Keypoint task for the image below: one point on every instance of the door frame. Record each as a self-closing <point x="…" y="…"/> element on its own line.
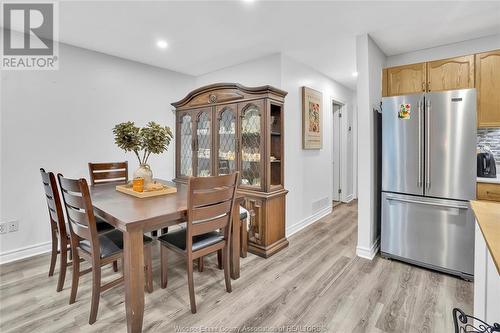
<point x="342" y="125"/>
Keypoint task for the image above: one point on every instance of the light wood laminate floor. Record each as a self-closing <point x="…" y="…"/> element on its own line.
<point x="317" y="281"/>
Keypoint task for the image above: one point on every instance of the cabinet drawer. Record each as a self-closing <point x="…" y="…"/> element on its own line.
<point x="486" y="191"/>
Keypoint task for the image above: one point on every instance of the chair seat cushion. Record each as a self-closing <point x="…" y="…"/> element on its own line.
<point x="102" y="225"/>
<point x="243" y="213"/>
<point x="178" y="239"/>
<point x="110" y="242"/>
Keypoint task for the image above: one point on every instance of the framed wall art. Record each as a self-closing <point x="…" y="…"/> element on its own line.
<point x="312" y="109"/>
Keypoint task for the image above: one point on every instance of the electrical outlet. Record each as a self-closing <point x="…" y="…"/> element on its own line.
<point x="13" y="226"/>
<point x="3" y="228"/>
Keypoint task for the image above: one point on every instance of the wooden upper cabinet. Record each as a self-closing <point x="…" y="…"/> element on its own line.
<point x="407" y="79"/>
<point x="384" y="83"/>
<point x="450" y="74"/>
<point x="488" y="88"/>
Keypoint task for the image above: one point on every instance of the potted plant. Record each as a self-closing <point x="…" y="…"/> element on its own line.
<point x="151" y="139"/>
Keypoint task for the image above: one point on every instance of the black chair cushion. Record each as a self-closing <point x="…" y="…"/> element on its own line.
<point x="178" y="239"/>
<point x="111" y="242"/>
<point x="102" y="225"/>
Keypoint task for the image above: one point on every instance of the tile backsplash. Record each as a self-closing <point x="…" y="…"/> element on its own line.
<point x="490" y="137"/>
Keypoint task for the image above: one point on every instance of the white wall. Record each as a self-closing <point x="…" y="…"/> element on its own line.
<point x="60" y="120"/>
<point x="446" y="51"/>
<point x="369" y="61"/>
<point x="262" y="71"/>
<point x="355" y="129"/>
<point x="97" y="91"/>
<point x="308" y="173"/>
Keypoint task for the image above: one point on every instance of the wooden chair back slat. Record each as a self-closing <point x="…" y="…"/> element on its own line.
<point x="204" y="227"/>
<point x="119" y="175"/>
<point x="202" y="198"/>
<point x="210" y="211"/>
<point x="51" y="204"/>
<point x="74" y="201"/>
<point x="48" y="190"/>
<point x="81" y="231"/>
<point x="80" y="212"/>
<point x="54" y="204"/>
<point x="77" y="216"/>
<point x="210" y="204"/>
<point x="68" y="185"/>
<point x="105" y="173"/>
<point x="109" y="166"/>
<point x="208" y="183"/>
<point x="54" y="217"/>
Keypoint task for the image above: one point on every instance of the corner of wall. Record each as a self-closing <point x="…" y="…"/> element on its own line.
<point x="370" y="60"/>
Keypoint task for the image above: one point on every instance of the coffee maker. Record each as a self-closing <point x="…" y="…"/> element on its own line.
<point x="486" y="167"/>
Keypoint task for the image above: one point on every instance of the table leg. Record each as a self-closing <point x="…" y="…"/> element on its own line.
<point x="235" y="242"/>
<point x="133" y="256"/>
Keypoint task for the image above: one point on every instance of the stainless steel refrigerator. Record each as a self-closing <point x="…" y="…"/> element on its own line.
<point x="428" y="176"/>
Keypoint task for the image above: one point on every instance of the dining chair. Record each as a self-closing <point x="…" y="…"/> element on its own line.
<point x="109" y="172"/>
<point x="59" y="230"/>
<point x="60" y="237"/>
<point x="99" y="249"/>
<point x="210" y="202"/>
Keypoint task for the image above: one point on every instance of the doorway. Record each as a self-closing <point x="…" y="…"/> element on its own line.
<point x="338" y="110"/>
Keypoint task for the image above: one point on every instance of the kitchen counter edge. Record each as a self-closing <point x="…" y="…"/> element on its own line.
<point x="488" y="218"/>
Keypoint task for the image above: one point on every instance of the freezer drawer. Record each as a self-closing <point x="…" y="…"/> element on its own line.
<point x="435" y="233"/>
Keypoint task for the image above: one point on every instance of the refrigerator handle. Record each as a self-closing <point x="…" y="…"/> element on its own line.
<point x="428" y="144"/>
<point x="419" y="182"/>
<point x="428" y="203"/>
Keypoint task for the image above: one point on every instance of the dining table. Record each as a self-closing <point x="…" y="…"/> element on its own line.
<point x="135" y="216"/>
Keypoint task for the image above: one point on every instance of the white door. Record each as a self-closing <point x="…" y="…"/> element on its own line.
<point x="337" y="144"/>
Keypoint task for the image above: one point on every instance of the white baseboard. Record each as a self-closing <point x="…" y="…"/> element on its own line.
<point x="290" y="230"/>
<point x="25" y="252"/>
<point x="349" y="198"/>
<point x="368" y="253"/>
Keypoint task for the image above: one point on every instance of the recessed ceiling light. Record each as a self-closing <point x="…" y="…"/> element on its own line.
<point x="355" y="74"/>
<point x="248" y="1"/>
<point x="162" y="44"/>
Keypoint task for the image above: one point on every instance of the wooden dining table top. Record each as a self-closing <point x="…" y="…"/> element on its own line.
<point x="126" y="212"/>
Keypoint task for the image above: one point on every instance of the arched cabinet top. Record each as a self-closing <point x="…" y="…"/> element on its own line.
<point x="218" y="93"/>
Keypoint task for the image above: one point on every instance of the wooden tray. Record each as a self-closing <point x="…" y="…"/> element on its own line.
<point x="127" y="189"/>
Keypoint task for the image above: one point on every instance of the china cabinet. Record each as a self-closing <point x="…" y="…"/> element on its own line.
<point x="226" y="127"/>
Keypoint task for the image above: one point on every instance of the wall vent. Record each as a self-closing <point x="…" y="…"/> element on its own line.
<point x="320" y="204"/>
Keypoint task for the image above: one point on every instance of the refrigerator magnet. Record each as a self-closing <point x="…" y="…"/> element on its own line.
<point x="404" y="111"/>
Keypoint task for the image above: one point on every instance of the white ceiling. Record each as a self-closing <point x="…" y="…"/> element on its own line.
<point x="209" y="35"/>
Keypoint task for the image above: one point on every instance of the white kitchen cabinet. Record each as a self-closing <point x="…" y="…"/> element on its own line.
<point x="486" y="282"/>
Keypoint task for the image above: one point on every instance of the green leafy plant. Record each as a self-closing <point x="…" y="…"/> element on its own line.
<point x="151" y="139"/>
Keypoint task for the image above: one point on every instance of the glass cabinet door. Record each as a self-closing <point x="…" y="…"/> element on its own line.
<point x="275" y="131"/>
<point x="203" y="146"/>
<point x="226" y="163"/>
<point x="186" y="145"/>
<point x="251" y="148"/>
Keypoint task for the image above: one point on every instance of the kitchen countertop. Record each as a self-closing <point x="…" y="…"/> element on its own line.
<point x="489" y="180"/>
<point x="488" y="218"/>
